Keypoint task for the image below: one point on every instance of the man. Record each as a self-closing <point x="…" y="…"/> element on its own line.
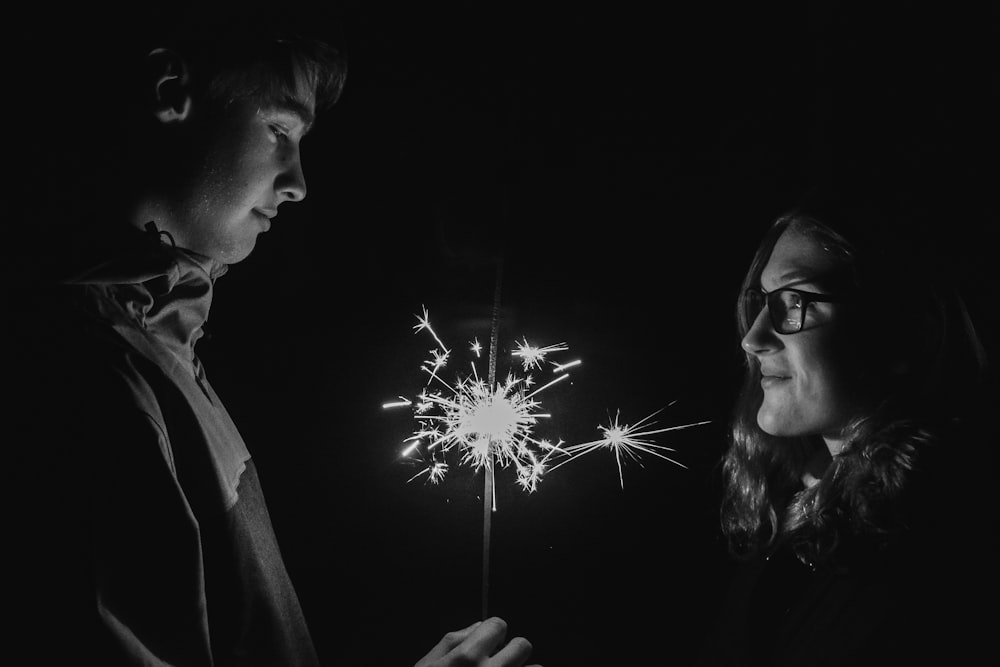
<point x="140" y="531"/>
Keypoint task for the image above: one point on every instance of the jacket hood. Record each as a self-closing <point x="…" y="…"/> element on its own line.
<point x="165" y="290"/>
<point x="157" y="298"/>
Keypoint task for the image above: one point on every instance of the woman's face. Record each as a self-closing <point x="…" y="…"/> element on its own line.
<point x="812" y="380"/>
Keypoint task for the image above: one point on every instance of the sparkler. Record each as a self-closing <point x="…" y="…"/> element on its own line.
<point x="488" y="422"/>
<point x="485" y="421"/>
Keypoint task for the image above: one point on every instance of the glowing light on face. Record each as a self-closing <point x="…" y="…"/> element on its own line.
<point x="813" y="382"/>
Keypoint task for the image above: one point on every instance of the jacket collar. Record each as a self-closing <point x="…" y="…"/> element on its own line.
<point x="164" y="289"/>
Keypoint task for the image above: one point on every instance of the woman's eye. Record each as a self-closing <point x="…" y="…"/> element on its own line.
<point x="278" y="131"/>
<point x="792" y="301"/>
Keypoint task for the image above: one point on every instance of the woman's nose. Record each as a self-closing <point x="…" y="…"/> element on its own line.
<point x="761" y="337"/>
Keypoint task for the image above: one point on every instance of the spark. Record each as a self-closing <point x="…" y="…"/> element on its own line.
<point x="437" y="361"/>
<point x="476" y="347"/>
<point x="412" y="448"/>
<point x="627" y="442"/>
<point x="528" y="476"/>
<point x="532" y="356"/>
<point x="423" y="404"/>
<point x="546" y="386"/>
<point x="435" y="472"/>
<point x="425" y="323"/>
<point x="401" y="403"/>
<point x="559" y="368"/>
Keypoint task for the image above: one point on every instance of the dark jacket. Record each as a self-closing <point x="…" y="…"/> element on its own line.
<point x="923" y="597"/>
<point x="140" y="530"/>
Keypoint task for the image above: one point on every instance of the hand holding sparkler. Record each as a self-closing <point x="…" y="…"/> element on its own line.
<point x="477" y="645"/>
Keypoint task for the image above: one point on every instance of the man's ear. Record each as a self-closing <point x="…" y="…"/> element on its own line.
<point x="170" y="93"/>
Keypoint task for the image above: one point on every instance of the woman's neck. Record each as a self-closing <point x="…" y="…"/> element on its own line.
<point x="817" y="464"/>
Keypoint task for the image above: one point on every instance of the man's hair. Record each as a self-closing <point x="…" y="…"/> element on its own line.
<point x="257" y="61"/>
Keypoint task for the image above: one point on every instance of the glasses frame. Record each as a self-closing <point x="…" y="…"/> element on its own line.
<point x="806" y="297"/>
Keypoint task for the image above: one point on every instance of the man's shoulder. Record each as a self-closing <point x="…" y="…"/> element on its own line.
<point x="69" y="355"/>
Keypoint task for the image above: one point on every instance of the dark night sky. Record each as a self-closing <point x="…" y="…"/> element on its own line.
<point x="623" y="161"/>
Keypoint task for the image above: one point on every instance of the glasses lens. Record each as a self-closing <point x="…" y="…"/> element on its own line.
<point x="786" y="311"/>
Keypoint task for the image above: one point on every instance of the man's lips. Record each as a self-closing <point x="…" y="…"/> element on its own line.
<point x="265" y="215"/>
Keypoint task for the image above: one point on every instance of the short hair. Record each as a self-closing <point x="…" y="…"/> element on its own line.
<point x="259" y="61"/>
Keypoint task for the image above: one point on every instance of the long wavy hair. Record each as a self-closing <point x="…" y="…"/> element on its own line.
<point x="917" y="336"/>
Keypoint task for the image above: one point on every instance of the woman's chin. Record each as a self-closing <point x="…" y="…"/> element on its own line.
<point x="776" y="424"/>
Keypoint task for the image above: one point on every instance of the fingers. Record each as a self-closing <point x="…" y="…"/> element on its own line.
<point x="475" y="644"/>
<point x="514" y="654"/>
<point x="484" y="639"/>
<point x="447" y="644"/>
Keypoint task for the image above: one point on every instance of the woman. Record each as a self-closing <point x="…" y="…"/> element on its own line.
<point x="838" y="494"/>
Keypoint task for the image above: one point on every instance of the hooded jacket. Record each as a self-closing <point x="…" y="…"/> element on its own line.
<point x="146" y="538"/>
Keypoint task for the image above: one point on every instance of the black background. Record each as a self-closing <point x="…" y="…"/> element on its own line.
<point x="622" y="159"/>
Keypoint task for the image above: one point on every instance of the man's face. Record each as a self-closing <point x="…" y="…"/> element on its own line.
<point x="247" y="165"/>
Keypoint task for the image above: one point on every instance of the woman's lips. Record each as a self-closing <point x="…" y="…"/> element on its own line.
<point x="768" y="381"/>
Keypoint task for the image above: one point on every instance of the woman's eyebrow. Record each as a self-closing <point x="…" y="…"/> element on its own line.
<point x="813" y="282"/>
<point x="797" y="279"/>
<point x="796" y="276"/>
<point x="789" y="279"/>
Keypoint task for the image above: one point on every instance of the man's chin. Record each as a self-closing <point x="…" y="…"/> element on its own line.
<point x="235" y="254"/>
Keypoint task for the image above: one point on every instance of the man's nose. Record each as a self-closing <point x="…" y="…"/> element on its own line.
<point x="291" y="182"/>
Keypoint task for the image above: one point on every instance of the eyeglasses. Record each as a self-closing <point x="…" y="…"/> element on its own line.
<point x="786" y="307"/>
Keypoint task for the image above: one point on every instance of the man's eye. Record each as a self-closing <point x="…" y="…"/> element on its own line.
<point x="278" y="131"/>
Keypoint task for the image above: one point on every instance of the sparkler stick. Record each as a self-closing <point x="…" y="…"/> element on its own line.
<point x="489" y="504"/>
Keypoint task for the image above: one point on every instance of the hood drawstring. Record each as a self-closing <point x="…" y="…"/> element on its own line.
<point x="157" y="233"/>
